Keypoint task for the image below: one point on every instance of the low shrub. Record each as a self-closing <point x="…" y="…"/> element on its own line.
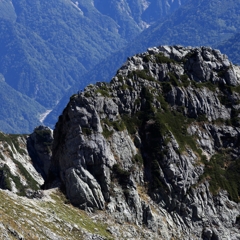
<point x="138" y="159"/>
<point x="185" y="80"/>
<point x="144" y="75"/>
<point x="173" y="79"/>
<point x="161" y="58"/>
<point x="103" y="92"/>
<point x="116" y="125"/>
<point x="107" y="133"/>
<point x="121" y="174"/>
<point x="86" y="131"/>
<point x="223" y="173"/>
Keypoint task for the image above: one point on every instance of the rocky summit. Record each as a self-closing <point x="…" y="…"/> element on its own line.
<point x="157" y="148"/>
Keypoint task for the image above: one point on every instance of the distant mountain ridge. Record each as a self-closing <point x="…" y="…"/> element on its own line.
<point x="141" y="12"/>
<point x="231" y="47"/>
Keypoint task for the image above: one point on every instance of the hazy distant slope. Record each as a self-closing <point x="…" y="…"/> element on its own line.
<point x="19" y="113"/>
<point x="7" y="10"/>
<point x="49" y="46"/>
<point x="198" y="22"/>
<point x="231" y="47"/>
<point x="45" y="47"/>
<point x="132" y="15"/>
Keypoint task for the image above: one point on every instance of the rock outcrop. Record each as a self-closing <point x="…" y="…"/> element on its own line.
<point x="157" y="147"/>
<point x="39" y="145"/>
<point x="17" y="171"/>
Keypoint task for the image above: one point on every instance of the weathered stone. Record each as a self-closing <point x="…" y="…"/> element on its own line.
<point x="39" y="146"/>
<point x="96" y="153"/>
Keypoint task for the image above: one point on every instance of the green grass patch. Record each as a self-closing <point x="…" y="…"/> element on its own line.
<point x="107" y="133"/>
<point x="235" y="89"/>
<point x="87" y="95"/>
<point x="185" y="80"/>
<point x="121" y="174"/>
<point x="5" y="175"/>
<point x="137" y="102"/>
<point x="173" y="79"/>
<point x="177" y="123"/>
<point x="73" y="97"/>
<point x="166" y="87"/>
<point x="30" y="180"/>
<point x="120" y="77"/>
<point x="161" y="58"/>
<point x="86" y="131"/>
<point x="211" y="86"/>
<point x="191" y="55"/>
<point x="220" y="121"/>
<point x="147" y="109"/>
<point x="74" y="216"/>
<point x="7" y="139"/>
<point x="103" y="92"/>
<point x="147" y="58"/>
<point x="132" y="123"/>
<point x="66" y="221"/>
<point x="138" y="159"/>
<point x="202" y="118"/>
<point x="8" y="176"/>
<point x="156" y="182"/>
<point x="13" y="141"/>
<point x="144" y="75"/>
<point x="116" y="125"/>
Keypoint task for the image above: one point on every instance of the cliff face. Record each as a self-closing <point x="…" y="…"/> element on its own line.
<point x="17" y="170"/>
<point x="24" y="161"/>
<point x="158" y="147"/>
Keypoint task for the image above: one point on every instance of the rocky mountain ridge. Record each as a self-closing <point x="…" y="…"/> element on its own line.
<point x="154" y="154"/>
<point x="163" y="136"/>
<point x="25" y="160"/>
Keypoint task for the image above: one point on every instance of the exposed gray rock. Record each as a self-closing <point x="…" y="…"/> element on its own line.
<point x="17" y="172"/>
<point x="39" y="146"/>
<point x="116" y="146"/>
<point x="83" y="189"/>
<point x="3" y="232"/>
<point x="199" y="102"/>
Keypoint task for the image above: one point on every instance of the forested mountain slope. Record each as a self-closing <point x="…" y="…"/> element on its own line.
<point x="231" y="47"/>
